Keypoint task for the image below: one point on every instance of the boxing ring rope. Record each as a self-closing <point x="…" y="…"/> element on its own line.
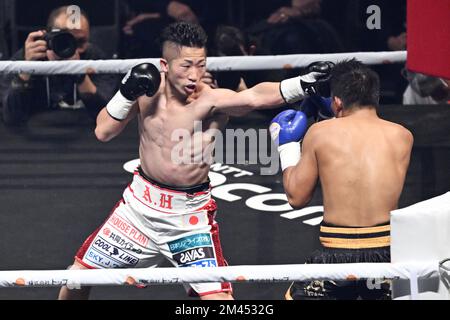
<point x="247" y="273"/>
<point x="244" y="273"/>
<point x="213" y="63"/>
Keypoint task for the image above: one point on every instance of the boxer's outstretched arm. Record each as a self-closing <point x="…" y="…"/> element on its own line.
<point x="267" y="95"/>
<point x="108" y="127"/>
<point x="264" y="95"/>
<point x="299" y="181"/>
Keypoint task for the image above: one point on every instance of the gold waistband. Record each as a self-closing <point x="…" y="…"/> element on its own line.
<point x="355" y="230"/>
<point x="354" y="237"/>
<point x="345" y="243"/>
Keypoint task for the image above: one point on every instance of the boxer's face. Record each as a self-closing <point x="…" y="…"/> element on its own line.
<point x="185" y="67"/>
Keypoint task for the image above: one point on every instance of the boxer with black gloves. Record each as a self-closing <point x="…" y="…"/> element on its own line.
<point x="318" y="74"/>
<point x="142" y="79"/>
<point x="167" y="208"/>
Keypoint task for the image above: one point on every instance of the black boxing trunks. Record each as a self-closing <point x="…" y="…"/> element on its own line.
<point x="347" y="245"/>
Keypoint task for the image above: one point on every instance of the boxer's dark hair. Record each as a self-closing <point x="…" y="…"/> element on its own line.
<point x="355" y="84"/>
<point x="185" y="34"/>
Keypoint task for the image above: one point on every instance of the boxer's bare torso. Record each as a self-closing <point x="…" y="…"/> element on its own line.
<point x="183" y="113"/>
<point x="363" y="169"/>
<point x="174" y="143"/>
<point x="184" y="107"/>
<point x="361" y="161"/>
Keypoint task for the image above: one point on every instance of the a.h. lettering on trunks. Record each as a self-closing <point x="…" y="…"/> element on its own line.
<point x="165" y="200"/>
<point x="231" y="146"/>
<point x="147" y="197"/>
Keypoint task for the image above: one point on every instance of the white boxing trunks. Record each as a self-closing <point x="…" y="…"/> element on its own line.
<point x="153" y="222"/>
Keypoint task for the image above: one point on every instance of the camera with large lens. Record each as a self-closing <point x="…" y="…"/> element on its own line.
<point x="62" y="42"/>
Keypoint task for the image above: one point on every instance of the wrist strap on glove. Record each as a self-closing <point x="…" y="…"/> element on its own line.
<point x="290" y="154"/>
<point x="119" y="107"/>
<point x="291" y="90"/>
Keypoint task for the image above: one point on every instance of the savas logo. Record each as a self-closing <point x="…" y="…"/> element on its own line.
<point x="194" y="255"/>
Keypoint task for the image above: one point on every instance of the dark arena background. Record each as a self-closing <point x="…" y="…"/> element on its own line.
<point x="58" y="182"/>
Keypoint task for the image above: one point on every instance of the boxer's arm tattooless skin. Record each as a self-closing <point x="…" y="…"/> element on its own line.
<point x="107" y="127"/>
<point x="299" y="181"/>
<point x="262" y="96"/>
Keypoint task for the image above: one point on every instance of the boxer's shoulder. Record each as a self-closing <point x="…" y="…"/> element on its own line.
<point x="324" y="127"/>
<point x="205" y="98"/>
<point x="323" y="134"/>
<point x="396" y="129"/>
<point x="316" y="136"/>
<point x="402" y="134"/>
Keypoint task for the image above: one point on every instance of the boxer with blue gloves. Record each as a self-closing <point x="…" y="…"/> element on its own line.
<point x="288" y="131"/>
<point x="288" y="128"/>
<point x="317" y="107"/>
<point x="361" y="161"/>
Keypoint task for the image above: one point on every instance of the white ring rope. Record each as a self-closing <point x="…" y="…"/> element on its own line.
<point x="213" y="64"/>
<point x="249" y="273"/>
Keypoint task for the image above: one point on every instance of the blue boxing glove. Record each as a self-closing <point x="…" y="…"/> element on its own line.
<point x="317" y="107"/>
<point x="287" y="130"/>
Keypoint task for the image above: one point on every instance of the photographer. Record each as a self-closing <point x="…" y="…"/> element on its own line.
<point x="25" y="94"/>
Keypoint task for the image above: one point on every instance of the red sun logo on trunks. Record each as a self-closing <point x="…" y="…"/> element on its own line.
<point x="193" y="220"/>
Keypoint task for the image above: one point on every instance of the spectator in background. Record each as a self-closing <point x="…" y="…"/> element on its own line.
<point x="231" y="41"/>
<point x="423" y="89"/>
<point x="210" y="14"/>
<point x="24" y="94"/>
<point x="146" y="19"/>
<point x="350" y="18"/>
<point x="279" y="27"/>
<point x="358" y="36"/>
<point x="144" y="22"/>
<point x="293" y="26"/>
<point x="391" y="32"/>
<point x="397" y="43"/>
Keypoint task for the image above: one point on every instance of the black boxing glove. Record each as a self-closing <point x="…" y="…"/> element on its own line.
<point x="321" y="85"/>
<point x="142" y="79"/>
<point x="318" y="74"/>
